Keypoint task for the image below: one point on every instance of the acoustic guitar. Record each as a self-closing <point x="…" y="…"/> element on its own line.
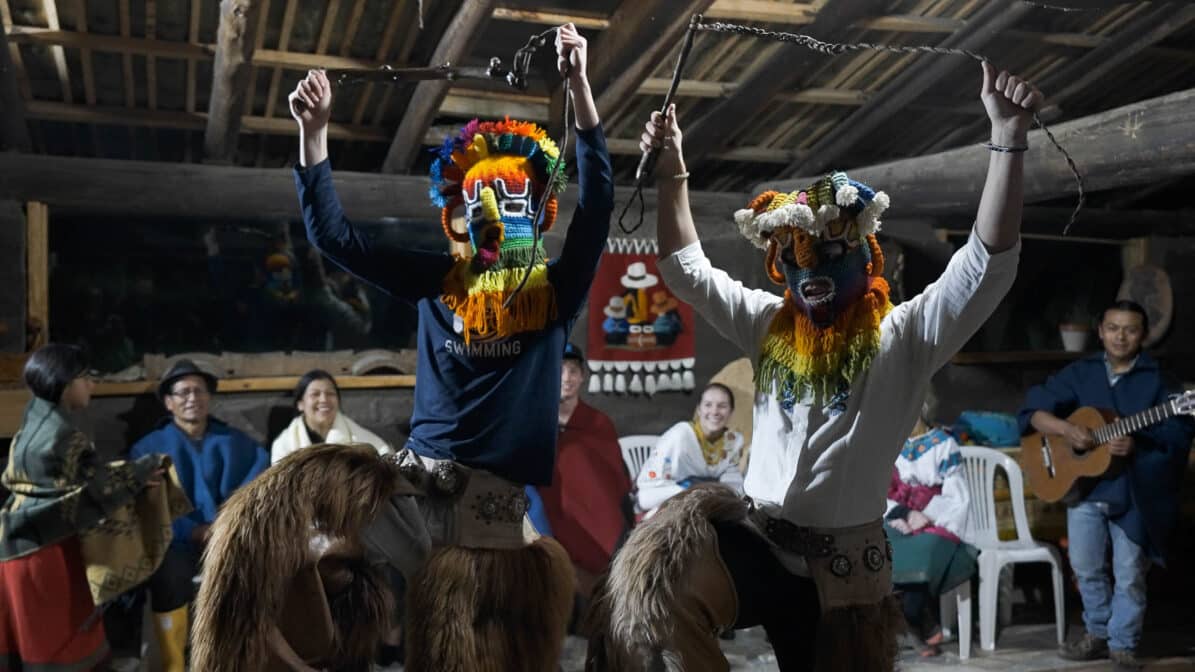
<point x="1053" y="466"/>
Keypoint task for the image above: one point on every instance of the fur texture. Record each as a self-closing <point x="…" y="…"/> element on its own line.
<point x="859" y="639"/>
<point x="630" y="618"/>
<point x="260" y="540"/>
<point x="482" y="610"/>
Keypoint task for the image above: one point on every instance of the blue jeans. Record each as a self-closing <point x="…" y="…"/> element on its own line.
<point x="1114" y="612"/>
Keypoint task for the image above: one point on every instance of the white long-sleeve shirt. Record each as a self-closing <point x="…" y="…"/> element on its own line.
<point x="677" y="456"/>
<point x="827" y="469"/>
<point x="933" y="459"/>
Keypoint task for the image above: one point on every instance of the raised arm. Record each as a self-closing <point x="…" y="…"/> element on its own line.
<point x="407" y="274"/>
<point x="1010" y="103"/>
<point x="573" y="273"/>
<point x="738" y="313"/>
<point x="674" y="226"/>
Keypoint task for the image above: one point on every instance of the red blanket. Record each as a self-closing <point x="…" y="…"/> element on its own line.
<point x="584" y="501"/>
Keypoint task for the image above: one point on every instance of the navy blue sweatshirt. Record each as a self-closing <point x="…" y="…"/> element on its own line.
<point x="489" y="405"/>
<point x="1143" y="498"/>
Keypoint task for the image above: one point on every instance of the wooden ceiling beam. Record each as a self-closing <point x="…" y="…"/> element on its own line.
<point x="230" y="78"/>
<point x="14" y="132"/>
<point x="288" y="26"/>
<point x="187" y="121"/>
<point x="58" y="54"/>
<point x="193" y="40"/>
<point x="1150" y="27"/>
<point x="1109" y="157"/>
<point x="782" y="72"/>
<point x="908" y="85"/>
<point x="126" y="59"/>
<point x="136" y="188"/>
<point x="549" y="17"/>
<point x="634" y="59"/>
<point x="764" y="11"/>
<point x="454" y="45"/>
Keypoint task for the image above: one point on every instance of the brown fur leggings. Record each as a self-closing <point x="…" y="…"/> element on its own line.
<point x="483" y="610"/>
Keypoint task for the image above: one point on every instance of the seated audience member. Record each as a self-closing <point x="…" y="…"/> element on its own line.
<point x="926" y="519"/>
<point x="586" y="504"/>
<point x="48" y="619"/>
<point x="319" y="420"/>
<point x="212" y="460"/>
<point x="701" y="450"/>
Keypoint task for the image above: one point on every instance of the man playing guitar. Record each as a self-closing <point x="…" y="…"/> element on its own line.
<point x="1134" y="504"/>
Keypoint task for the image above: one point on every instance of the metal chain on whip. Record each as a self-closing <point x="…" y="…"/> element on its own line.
<point x="835" y="48"/>
<point x="831" y="49"/>
<point x="520" y="66"/>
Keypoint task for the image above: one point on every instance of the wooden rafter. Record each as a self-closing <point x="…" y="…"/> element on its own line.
<point x="14" y="51"/>
<point x="80" y="7"/>
<point x="647" y="46"/>
<point x="126" y="59"/>
<point x="230" y="78"/>
<point x="468" y="22"/>
<point x="106" y="186"/>
<point x="1108" y="156"/>
<point x="1150" y="27"/>
<point x="14" y="133"/>
<point x="50" y="7"/>
<point x="192" y="41"/>
<point x="382" y="53"/>
<point x="259" y="41"/>
<point x="151" y="68"/>
<point x="781" y="72"/>
<point x="909" y="85"/>
<point x="288" y="26"/>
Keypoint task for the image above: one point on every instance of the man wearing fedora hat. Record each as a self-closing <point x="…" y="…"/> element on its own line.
<point x="212" y="460"/>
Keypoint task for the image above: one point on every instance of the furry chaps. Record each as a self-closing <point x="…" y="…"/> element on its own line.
<point x="489" y="610"/>
<point x="259" y="544"/>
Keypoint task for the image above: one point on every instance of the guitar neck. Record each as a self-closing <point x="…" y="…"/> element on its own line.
<point x="1135" y="422"/>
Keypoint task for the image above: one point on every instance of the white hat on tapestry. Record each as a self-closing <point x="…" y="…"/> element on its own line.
<point x="637" y="276"/>
<point x="616" y="308"/>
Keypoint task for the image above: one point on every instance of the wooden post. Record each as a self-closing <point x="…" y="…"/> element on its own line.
<point x="457" y="42"/>
<point x="37" y="263"/>
<point x="231" y="72"/>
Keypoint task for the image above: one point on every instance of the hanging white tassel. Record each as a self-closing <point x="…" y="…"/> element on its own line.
<point x="677" y="383"/>
<point x="595" y="384"/>
<point x="649" y="385"/>
<point x="620" y="384"/>
<point x="690" y="381"/>
<point x="663" y="383"/>
<point x="608" y="383"/>
<point x="636" y="384"/>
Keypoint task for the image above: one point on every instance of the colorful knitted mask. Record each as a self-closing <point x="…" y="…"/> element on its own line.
<point x="497" y="172"/>
<point x="821" y="245"/>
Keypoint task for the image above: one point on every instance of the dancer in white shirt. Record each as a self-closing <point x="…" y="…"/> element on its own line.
<point x="840" y="375"/>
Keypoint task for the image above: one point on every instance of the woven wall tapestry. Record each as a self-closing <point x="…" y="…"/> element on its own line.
<point x="641" y="338"/>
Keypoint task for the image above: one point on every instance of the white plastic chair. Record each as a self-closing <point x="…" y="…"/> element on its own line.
<point x="958" y="600"/>
<point x="979" y="465"/>
<point x="636" y="448"/>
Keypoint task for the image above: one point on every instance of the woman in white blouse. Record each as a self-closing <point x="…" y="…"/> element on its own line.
<point x="317" y="399"/>
<point x="702" y="450"/>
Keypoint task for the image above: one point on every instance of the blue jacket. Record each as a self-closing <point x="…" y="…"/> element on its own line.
<point x="490" y="405"/>
<point x="1143" y="498"/>
<point x="209" y="471"/>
